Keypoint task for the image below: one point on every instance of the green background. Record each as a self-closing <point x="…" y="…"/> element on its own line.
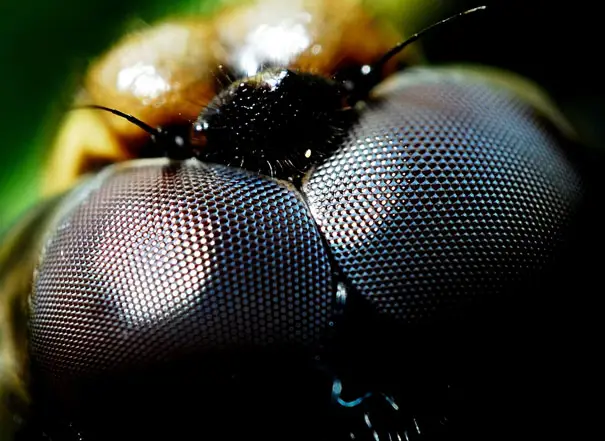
<point x="44" y="46"/>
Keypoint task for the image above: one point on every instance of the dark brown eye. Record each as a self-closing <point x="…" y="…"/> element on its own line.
<point x="370" y="295"/>
<point x="338" y="309"/>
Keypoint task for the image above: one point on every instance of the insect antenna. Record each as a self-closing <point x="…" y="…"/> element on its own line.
<point x="173" y="145"/>
<point x="371" y="73"/>
<point x="398" y="48"/>
<point x="137" y="122"/>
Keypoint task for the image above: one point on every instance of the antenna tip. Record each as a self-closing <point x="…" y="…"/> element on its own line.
<point x="478" y="8"/>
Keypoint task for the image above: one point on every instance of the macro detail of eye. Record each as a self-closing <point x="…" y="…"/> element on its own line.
<point x="263" y="225"/>
<point x="159" y="265"/>
<point x="435" y="176"/>
<point x="165" y="260"/>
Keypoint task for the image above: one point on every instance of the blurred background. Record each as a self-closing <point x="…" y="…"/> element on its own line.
<point x="44" y="46"/>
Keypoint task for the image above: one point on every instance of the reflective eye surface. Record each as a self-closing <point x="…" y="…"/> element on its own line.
<point x="444" y="191"/>
<point x="170" y="280"/>
<point x="163" y="260"/>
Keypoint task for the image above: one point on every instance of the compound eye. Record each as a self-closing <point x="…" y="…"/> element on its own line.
<point x="162" y="269"/>
<point x="448" y="190"/>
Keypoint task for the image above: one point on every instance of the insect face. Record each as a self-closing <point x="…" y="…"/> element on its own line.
<point x="348" y="306"/>
<point x="248" y="123"/>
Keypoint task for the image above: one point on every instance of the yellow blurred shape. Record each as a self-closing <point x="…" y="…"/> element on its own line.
<point x="84" y="144"/>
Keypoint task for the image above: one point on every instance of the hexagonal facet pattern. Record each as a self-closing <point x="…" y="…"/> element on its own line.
<point x="167" y="260"/>
<point x="444" y="191"/>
